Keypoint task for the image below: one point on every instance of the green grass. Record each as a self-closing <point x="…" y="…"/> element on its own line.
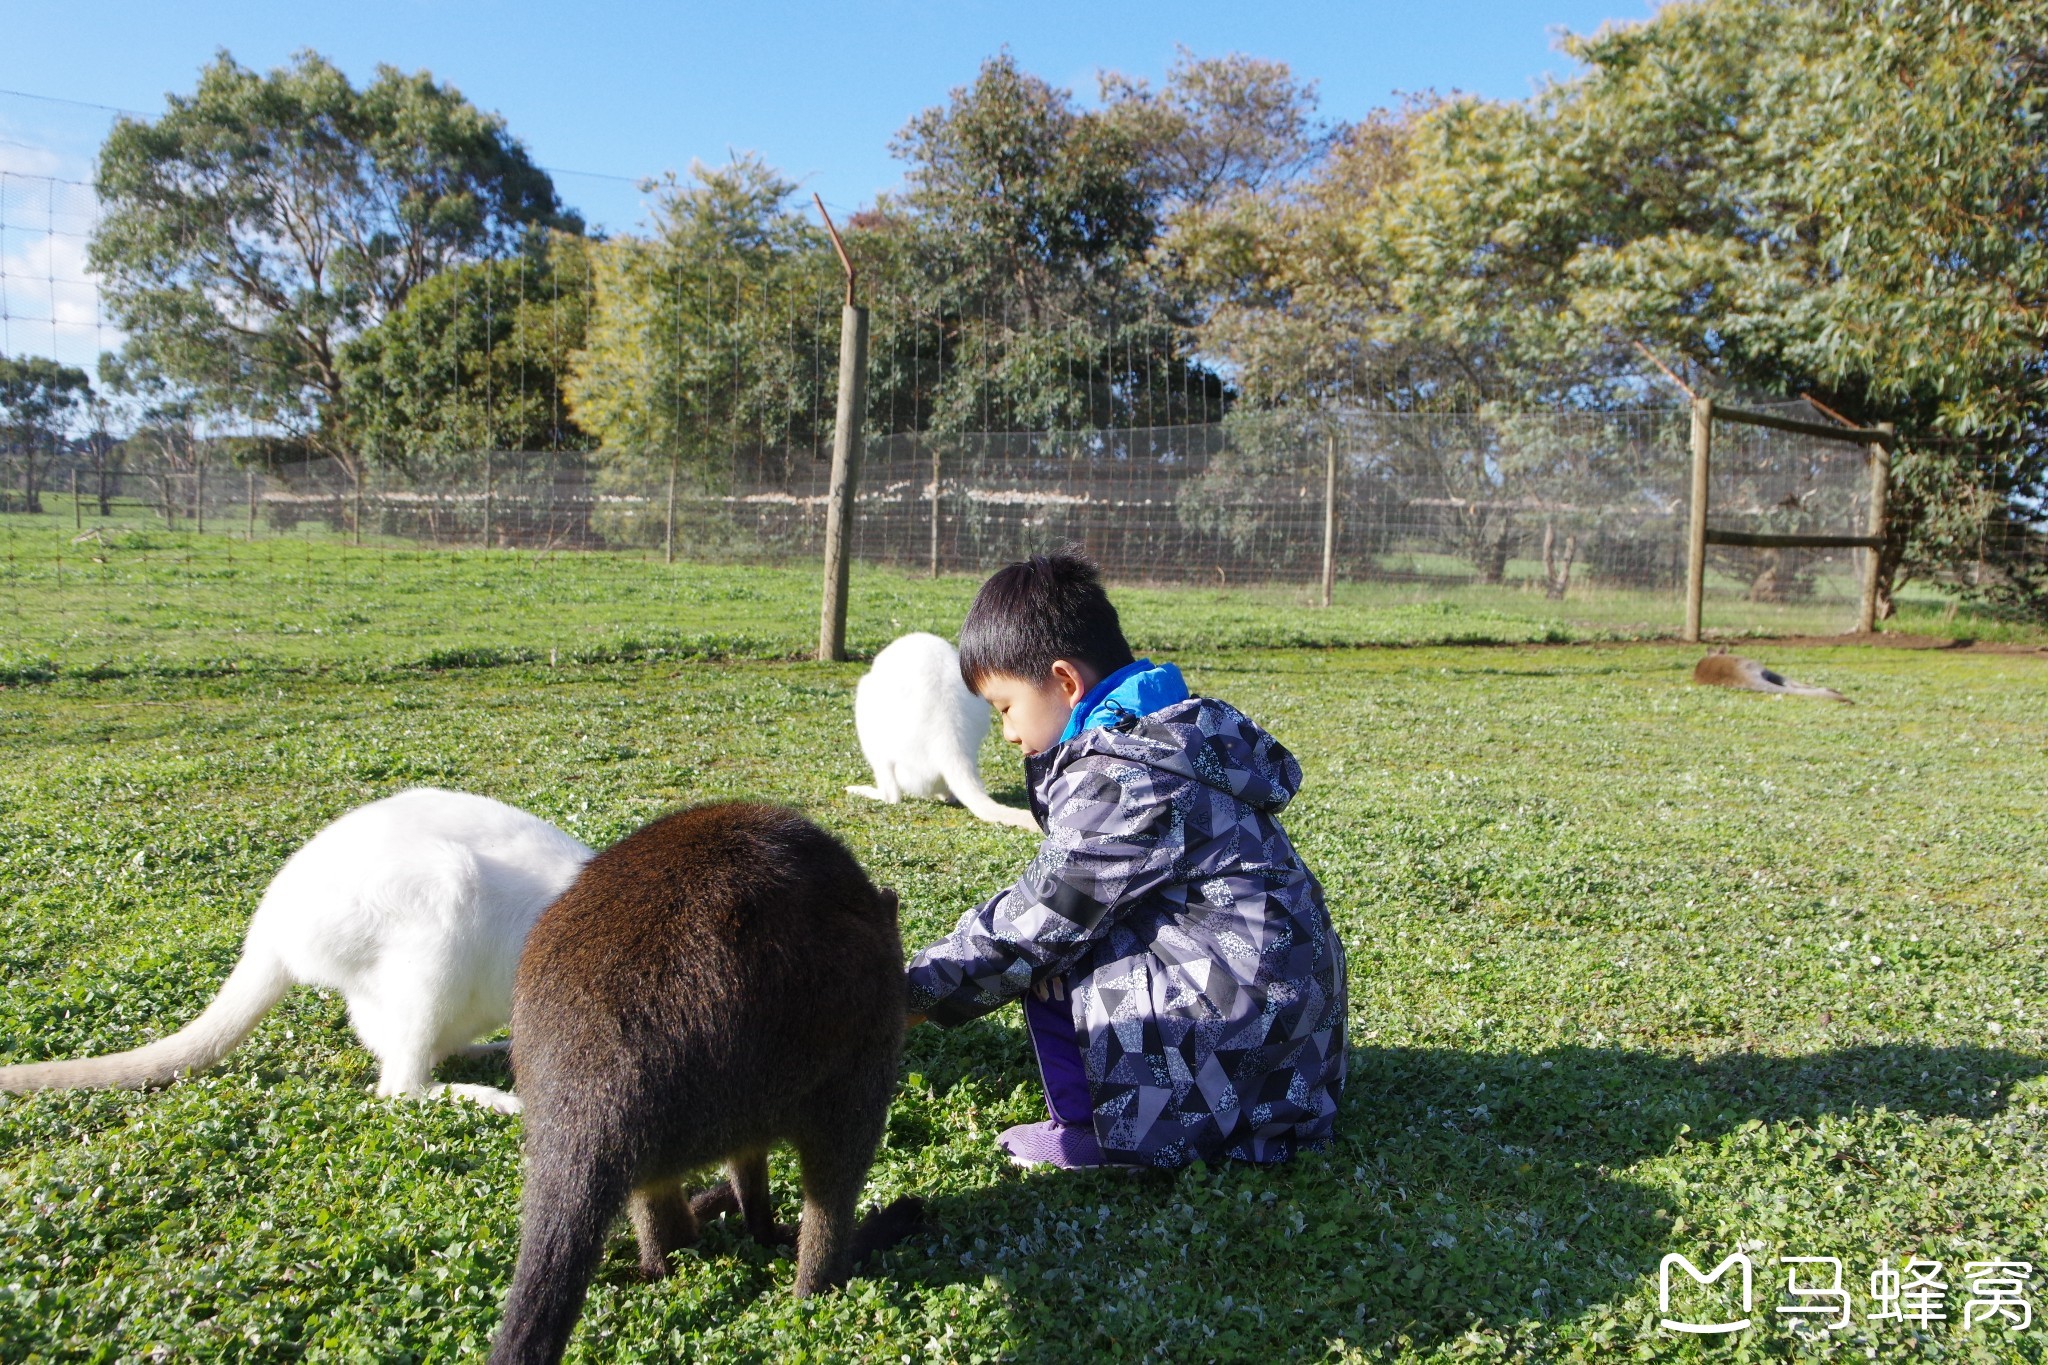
<point x="149" y="602"/>
<point x="1635" y="968"/>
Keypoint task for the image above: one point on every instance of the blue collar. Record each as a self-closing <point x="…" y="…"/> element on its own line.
<point x="1136" y="689"/>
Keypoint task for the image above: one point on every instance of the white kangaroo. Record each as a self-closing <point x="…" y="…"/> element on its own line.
<point x="413" y="908"/>
<point x="921" y="729"/>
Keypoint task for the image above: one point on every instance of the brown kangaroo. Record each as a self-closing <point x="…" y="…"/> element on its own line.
<point x="722" y="980"/>
<point x="1722" y="669"/>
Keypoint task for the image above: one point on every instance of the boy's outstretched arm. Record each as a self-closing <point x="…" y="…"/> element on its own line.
<point x="1110" y="843"/>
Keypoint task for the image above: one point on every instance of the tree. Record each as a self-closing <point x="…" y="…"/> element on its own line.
<point x="1790" y="195"/>
<point x="1219" y="129"/>
<point x="38" y="397"/>
<point x="1023" y="232"/>
<point x="475" y="359"/>
<point x="165" y="441"/>
<point x="703" y="337"/>
<point x="264" y="220"/>
<point x="1287" y="291"/>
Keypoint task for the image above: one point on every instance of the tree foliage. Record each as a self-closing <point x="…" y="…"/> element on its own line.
<point x="473" y="360"/>
<point x="1024" y="231"/>
<point x="265" y="219"/>
<point x="704" y="336"/>
<point x="1782" y="196"/>
<point x="38" y="398"/>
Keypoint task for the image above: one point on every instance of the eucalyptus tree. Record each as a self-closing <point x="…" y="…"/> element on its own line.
<point x="1785" y="196"/>
<point x="705" y="335"/>
<point x="38" y="399"/>
<point x="474" y="360"/>
<point x="1024" y="229"/>
<point x="265" y="219"/>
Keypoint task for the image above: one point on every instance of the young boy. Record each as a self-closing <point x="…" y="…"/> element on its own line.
<point x="1182" y="984"/>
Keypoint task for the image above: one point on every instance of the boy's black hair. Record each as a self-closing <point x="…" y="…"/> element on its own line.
<point x="1027" y="615"/>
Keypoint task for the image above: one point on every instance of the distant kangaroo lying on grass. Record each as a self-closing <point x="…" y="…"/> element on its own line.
<point x="722" y="980"/>
<point x="1722" y="669"/>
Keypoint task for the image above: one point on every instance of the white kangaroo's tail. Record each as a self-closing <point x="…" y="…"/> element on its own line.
<point x="1799" y="689"/>
<point x="1771" y="681"/>
<point x="258" y="981"/>
<point x="964" y="781"/>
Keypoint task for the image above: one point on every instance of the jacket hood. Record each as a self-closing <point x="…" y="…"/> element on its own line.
<point x="1200" y="739"/>
<point x="1136" y="689"/>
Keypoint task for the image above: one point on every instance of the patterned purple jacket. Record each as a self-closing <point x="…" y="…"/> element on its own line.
<point x="1206" y="982"/>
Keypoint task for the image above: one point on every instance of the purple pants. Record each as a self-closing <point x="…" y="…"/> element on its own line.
<point x="1051" y="1022"/>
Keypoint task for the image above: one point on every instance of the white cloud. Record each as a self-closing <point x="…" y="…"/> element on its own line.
<point x="49" y="298"/>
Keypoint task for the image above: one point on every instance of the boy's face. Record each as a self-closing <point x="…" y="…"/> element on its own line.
<point x="1034" y="712"/>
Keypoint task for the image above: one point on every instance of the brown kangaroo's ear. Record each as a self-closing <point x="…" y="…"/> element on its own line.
<point x="887" y="896"/>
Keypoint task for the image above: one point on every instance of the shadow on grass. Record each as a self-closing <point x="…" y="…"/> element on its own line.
<point x="1463" y="1188"/>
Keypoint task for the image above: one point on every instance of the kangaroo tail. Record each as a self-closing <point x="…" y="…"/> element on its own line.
<point x="258" y="981"/>
<point x="964" y="781"/>
<point x="571" y="1198"/>
<point x="1778" y="682"/>
<point x="1799" y="689"/>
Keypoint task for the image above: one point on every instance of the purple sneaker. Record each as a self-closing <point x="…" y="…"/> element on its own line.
<point x="1066" y="1146"/>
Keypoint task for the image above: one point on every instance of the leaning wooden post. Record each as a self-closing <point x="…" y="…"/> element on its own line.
<point x="77" y="514"/>
<point x="1880" y="494"/>
<point x="853" y="364"/>
<point x="1330" y="520"/>
<point x="1696" y="537"/>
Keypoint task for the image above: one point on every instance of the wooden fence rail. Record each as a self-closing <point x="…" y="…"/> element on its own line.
<point x="1877" y="442"/>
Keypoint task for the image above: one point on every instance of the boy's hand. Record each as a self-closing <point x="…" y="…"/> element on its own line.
<point x="912" y="1020"/>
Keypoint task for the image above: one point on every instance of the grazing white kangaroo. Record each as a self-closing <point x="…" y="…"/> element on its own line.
<point x="1722" y="669"/>
<point x="921" y="729"/>
<point x="413" y="908"/>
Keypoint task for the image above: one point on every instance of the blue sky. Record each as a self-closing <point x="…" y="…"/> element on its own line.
<point x="625" y="92"/>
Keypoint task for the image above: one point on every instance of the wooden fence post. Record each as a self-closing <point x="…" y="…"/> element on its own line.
<point x="199" y="497"/>
<point x="853" y="383"/>
<point x="1696" y="537"/>
<point x="358" y="527"/>
<point x="77" y="513"/>
<point x="1880" y="495"/>
<point x="853" y="363"/>
<point x="252" y="506"/>
<point x="1330" y="520"/>
<point x="489" y="473"/>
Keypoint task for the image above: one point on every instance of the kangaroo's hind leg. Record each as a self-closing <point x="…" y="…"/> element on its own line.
<point x="886" y="787"/>
<point x="663" y="1221"/>
<point x="745" y="1191"/>
<point x="835" y="1149"/>
<point x="749" y="1175"/>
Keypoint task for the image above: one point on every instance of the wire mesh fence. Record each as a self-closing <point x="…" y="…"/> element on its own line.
<point x="49" y="301"/>
<point x="1562" y="504"/>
